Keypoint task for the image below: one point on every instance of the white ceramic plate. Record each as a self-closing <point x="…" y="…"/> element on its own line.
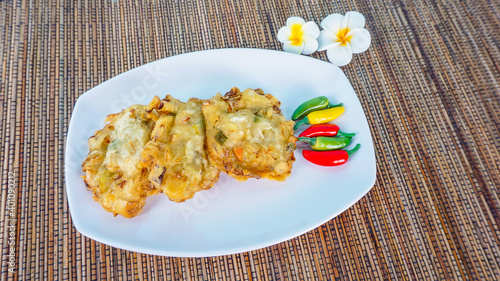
<point x="233" y="216"/>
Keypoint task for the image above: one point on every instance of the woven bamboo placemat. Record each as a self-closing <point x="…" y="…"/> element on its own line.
<point x="429" y="85"/>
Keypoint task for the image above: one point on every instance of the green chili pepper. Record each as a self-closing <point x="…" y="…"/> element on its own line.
<point x="312" y="105"/>
<point x="327" y="143"/>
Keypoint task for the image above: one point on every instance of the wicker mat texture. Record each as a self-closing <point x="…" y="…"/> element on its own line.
<point x="429" y="85"/>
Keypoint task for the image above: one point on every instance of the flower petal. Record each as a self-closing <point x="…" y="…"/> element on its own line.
<point x="310" y="45"/>
<point x="288" y="47"/>
<point x="284" y="34"/>
<point x="326" y="40"/>
<point x="310" y="28"/>
<point x="332" y="23"/>
<point x="294" y="20"/>
<point x="360" y="40"/>
<point x="340" y="55"/>
<point x="354" y="20"/>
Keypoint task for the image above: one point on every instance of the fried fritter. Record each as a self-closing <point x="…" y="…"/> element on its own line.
<point x="175" y="156"/>
<point x="180" y="148"/>
<point x="247" y="136"/>
<point x="112" y="167"/>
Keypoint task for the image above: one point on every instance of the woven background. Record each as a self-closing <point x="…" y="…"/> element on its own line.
<point x="429" y="85"/>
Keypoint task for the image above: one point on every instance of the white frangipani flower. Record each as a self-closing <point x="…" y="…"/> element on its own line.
<point x="299" y="36"/>
<point x="343" y="36"/>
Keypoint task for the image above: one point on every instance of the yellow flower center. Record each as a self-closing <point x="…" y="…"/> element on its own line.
<point x="297" y="34"/>
<point x="342" y="36"/>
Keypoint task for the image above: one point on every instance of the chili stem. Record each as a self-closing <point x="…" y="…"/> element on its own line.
<point x="349" y="152"/>
<point x="310" y="141"/>
<point x="304" y="121"/>
<point x="333" y="105"/>
<point x="340" y="133"/>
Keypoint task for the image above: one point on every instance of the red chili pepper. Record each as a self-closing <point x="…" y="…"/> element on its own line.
<point x="324" y="130"/>
<point x="329" y="158"/>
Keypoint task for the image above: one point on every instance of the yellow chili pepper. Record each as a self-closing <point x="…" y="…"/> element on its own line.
<point x="320" y="116"/>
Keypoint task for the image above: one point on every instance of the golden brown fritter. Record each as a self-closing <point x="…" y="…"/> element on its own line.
<point x="247" y="136"/>
<point x="179" y="148"/>
<point x="175" y="156"/>
<point x="112" y="167"/>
